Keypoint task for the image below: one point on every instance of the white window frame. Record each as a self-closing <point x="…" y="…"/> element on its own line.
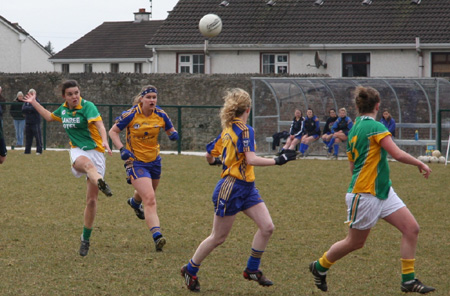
<point x="280" y="65"/>
<point x="186" y="63"/>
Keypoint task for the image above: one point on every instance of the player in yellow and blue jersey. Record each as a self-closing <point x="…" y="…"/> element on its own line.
<point x="236" y="191"/>
<point x="370" y="196"/>
<point x="143" y="123"/>
<point x="88" y="141"/>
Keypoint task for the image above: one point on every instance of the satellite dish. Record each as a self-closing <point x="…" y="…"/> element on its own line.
<point x="318" y="62"/>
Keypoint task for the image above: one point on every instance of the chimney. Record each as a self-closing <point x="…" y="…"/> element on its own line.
<point x="142" y="15"/>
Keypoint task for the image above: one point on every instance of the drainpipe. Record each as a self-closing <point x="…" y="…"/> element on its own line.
<point x="420" y="57"/>
<point x="155" y="60"/>
<point x="207" y="58"/>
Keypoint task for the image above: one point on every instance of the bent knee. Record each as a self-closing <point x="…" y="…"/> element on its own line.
<point x="268" y="229"/>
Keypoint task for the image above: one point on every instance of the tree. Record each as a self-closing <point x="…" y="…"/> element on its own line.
<point x="49" y="48"/>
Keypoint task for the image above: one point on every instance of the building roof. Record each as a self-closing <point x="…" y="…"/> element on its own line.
<point x="302" y="22"/>
<point x="16" y="27"/>
<point x="113" y="40"/>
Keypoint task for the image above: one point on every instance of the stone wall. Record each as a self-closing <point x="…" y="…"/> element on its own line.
<point x="198" y="125"/>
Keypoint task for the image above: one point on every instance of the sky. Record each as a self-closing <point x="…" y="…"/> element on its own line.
<point x="63" y="22"/>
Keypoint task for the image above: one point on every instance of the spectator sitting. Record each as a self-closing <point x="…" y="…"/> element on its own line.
<point x="388" y="122"/>
<point x="311" y="131"/>
<point x="340" y="130"/>
<point x="327" y="134"/>
<point x="295" y="132"/>
<point x="19" y="120"/>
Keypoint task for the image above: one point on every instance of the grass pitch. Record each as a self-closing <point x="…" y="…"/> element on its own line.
<point x="41" y="219"/>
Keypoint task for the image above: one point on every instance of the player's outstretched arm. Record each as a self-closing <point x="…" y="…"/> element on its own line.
<point x="398" y="154"/>
<point x="253" y="159"/>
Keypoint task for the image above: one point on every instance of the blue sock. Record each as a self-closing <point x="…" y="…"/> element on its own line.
<point x="254" y="260"/>
<point x="134" y="204"/>
<point x="336" y="149"/>
<point x="330" y="144"/>
<point x="156" y="232"/>
<point x="305" y="147"/>
<point x="192" y="267"/>
<point x="302" y="148"/>
<point x="326" y="142"/>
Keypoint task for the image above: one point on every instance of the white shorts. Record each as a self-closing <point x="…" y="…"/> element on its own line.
<point x="364" y="210"/>
<point x="98" y="158"/>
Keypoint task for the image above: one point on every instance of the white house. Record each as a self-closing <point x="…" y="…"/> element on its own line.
<point x="20" y="52"/>
<point x="339" y="38"/>
<point x="116" y="47"/>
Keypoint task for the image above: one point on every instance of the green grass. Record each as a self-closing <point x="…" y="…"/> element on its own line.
<point x="41" y="219"/>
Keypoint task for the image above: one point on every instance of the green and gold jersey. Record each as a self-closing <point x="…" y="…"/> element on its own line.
<point x="371" y="171"/>
<point x="79" y="125"/>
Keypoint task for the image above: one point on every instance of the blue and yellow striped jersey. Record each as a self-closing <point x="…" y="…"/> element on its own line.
<point x="371" y="172"/>
<point x="142" y="131"/>
<point x="232" y="144"/>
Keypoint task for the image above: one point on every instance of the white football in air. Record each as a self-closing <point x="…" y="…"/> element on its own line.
<point x="210" y="25"/>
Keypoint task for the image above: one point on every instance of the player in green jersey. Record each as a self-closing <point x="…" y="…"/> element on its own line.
<point x="84" y="126"/>
<point x="370" y="196"/>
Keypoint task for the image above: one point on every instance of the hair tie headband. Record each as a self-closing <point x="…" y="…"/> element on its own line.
<point x="149" y="90"/>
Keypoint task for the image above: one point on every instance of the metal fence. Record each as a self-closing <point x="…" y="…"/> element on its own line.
<point x="196" y="125"/>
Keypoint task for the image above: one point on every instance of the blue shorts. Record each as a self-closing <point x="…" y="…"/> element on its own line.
<point x="138" y="169"/>
<point x="232" y="195"/>
<point x="299" y="136"/>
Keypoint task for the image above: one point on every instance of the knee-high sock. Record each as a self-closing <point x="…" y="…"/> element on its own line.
<point x="336" y="149"/>
<point x="408" y="273"/>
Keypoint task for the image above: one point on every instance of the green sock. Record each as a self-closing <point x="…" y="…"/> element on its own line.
<point x="86" y="233"/>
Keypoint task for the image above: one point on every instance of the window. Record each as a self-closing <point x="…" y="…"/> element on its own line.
<point x="355" y="64"/>
<point x="65" y="68"/>
<point x="275" y="63"/>
<point x="192" y="63"/>
<point x="137" y="67"/>
<point x="440" y="64"/>
<point x="114" y="68"/>
<point x="87" y="68"/>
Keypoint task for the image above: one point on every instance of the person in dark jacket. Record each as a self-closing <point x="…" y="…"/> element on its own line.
<point x="327" y="134"/>
<point x="19" y="120"/>
<point x="2" y="108"/>
<point x="32" y="126"/>
<point x="2" y="145"/>
<point x="311" y="131"/>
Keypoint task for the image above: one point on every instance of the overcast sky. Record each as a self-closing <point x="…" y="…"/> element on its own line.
<point x="63" y="22"/>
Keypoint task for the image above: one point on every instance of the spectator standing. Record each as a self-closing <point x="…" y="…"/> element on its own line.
<point x="32" y="126"/>
<point x="19" y="120"/>
<point x="2" y="108"/>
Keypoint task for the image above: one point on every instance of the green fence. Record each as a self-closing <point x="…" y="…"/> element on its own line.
<point x="196" y="125"/>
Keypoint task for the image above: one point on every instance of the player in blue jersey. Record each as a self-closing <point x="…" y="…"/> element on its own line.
<point x="143" y="123"/>
<point x="88" y="141"/>
<point x="340" y="130"/>
<point x="370" y="196"/>
<point x="236" y="191"/>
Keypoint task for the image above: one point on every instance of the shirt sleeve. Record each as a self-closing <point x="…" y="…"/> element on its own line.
<point x="246" y="140"/>
<point x="215" y="146"/>
<point x="56" y="115"/>
<point x="124" y="119"/>
<point x="91" y="112"/>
